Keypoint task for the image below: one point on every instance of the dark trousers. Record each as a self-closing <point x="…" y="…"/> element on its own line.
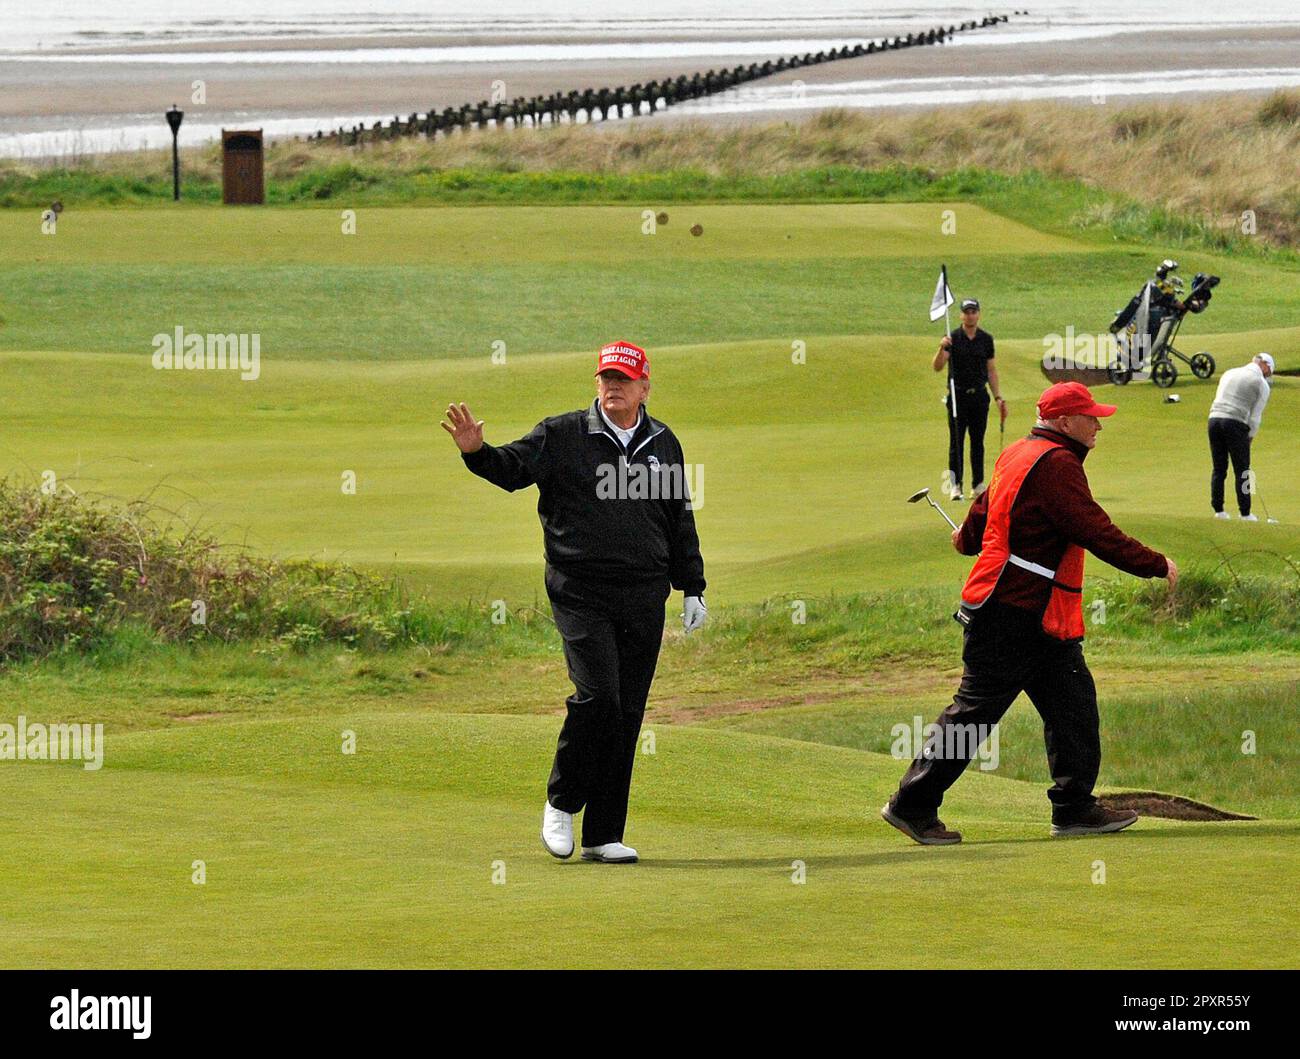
<point x="1006" y="652"/>
<point x="612" y="634"/>
<point x="970" y="416"/>
<point x="1229" y="439"/>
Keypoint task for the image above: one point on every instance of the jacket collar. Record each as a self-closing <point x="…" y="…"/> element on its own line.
<point x="1055" y="435"/>
<point x="604" y="418"/>
<point x="646" y="425"/>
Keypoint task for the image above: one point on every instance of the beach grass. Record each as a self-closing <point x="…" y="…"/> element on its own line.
<point x="1202" y="173"/>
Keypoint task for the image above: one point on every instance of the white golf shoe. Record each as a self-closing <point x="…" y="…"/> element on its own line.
<point x="610" y="853"/>
<point x="1249" y="518"/>
<point x="557" y="832"/>
<point x="956" y="495"/>
<point x="978" y="489"/>
<point x="1222" y="514"/>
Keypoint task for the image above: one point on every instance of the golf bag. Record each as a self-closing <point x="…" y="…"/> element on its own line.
<point x="1145" y="328"/>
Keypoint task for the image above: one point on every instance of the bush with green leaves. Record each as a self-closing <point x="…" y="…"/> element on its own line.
<point x="72" y="572"/>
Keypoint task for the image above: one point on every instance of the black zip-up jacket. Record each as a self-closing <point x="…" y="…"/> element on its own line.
<point x="575" y="458"/>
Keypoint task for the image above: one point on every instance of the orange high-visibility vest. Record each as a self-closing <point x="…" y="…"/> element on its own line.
<point x="1063" y="617"/>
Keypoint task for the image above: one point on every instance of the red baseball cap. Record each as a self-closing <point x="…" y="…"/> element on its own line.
<point x="625" y="357"/>
<point x="1070" y="399"/>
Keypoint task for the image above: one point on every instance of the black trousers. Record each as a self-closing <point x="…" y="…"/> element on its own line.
<point x="612" y="634"/>
<point x="1229" y="439"/>
<point x="971" y="416"/>
<point x="1006" y="652"/>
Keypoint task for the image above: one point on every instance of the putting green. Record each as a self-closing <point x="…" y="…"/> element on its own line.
<point x="387" y="858"/>
<point x="489" y="235"/>
<point x="438" y="283"/>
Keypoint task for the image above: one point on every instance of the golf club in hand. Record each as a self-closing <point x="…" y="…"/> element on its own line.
<point x="924" y="494"/>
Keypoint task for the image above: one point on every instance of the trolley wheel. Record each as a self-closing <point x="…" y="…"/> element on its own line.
<point x="1164" y="374"/>
<point x="1202" y="365"/>
<point x="1120" y="375"/>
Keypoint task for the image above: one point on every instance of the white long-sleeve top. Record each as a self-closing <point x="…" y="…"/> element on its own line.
<point x="1242" y="394"/>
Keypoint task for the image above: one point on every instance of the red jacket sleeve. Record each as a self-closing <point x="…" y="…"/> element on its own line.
<point x="1077" y="517"/>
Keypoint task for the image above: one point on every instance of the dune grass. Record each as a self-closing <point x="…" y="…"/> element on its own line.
<point x="1181" y="172"/>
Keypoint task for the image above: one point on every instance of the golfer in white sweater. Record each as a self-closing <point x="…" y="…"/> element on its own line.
<point x="1234" y="421"/>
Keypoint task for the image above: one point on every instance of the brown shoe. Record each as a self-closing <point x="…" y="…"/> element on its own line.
<point x="1096" y="820"/>
<point x="931" y="833"/>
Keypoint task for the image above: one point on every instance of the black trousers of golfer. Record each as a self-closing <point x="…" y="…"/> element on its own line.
<point x="970" y="416"/>
<point x="612" y="634"/>
<point x="1006" y="652"/>
<point x="1229" y="438"/>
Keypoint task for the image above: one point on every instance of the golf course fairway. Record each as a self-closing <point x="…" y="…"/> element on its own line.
<point x="790" y="349"/>
<point x="387" y="858"/>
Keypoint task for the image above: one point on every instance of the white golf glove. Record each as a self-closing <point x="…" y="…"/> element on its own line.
<point x="694" y="613"/>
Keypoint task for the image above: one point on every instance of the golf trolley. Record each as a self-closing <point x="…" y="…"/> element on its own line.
<point x="1162" y="303"/>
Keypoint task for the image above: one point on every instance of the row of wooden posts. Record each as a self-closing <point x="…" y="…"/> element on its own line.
<point x="602" y="104"/>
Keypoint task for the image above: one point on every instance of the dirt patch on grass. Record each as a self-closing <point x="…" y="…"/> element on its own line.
<point x="888" y="685"/>
<point x="1169" y="806"/>
<point x="1071" y="372"/>
<point x="676" y="713"/>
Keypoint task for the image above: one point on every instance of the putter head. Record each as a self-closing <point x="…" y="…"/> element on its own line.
<point x="920" y="494"/>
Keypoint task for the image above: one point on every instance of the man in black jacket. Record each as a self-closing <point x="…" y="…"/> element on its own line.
<point x="619" y="532"/>
<point x="969" y="354"/>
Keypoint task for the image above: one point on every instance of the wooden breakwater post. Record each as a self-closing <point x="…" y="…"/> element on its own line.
<point x="606" y="104"/>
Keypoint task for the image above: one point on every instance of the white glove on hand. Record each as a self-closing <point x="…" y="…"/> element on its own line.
<point x="694" y="613"/>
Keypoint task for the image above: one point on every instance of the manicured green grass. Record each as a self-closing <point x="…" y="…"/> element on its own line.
<point x="806" y="467"/>
<point x="1047" y="202"/>
<point x="230" y="754"/>
<point x="1187" y="738"/>
<point x="387" y="858"/>
<point x="421" y="284"/>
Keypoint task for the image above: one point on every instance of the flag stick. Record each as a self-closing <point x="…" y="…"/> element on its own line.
<point x="947" y="330"/>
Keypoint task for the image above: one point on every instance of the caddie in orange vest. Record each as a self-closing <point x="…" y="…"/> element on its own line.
<point x="1022" y="612"/>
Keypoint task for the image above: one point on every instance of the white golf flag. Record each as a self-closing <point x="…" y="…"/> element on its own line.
<point x="942" y="295"/>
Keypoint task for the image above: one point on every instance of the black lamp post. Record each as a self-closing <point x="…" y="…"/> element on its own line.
<point x="174" y="118"/>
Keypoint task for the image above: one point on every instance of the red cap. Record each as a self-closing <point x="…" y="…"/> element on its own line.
<point x="625" y="357"/>
<point x="1070" y="399"/>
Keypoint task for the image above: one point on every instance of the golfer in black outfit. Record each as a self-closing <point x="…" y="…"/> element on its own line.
<point x="619" y="533"/>
<point x="968" y="352"/>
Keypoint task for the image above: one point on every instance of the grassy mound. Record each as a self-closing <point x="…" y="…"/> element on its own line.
<point x="74" y="574"/>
